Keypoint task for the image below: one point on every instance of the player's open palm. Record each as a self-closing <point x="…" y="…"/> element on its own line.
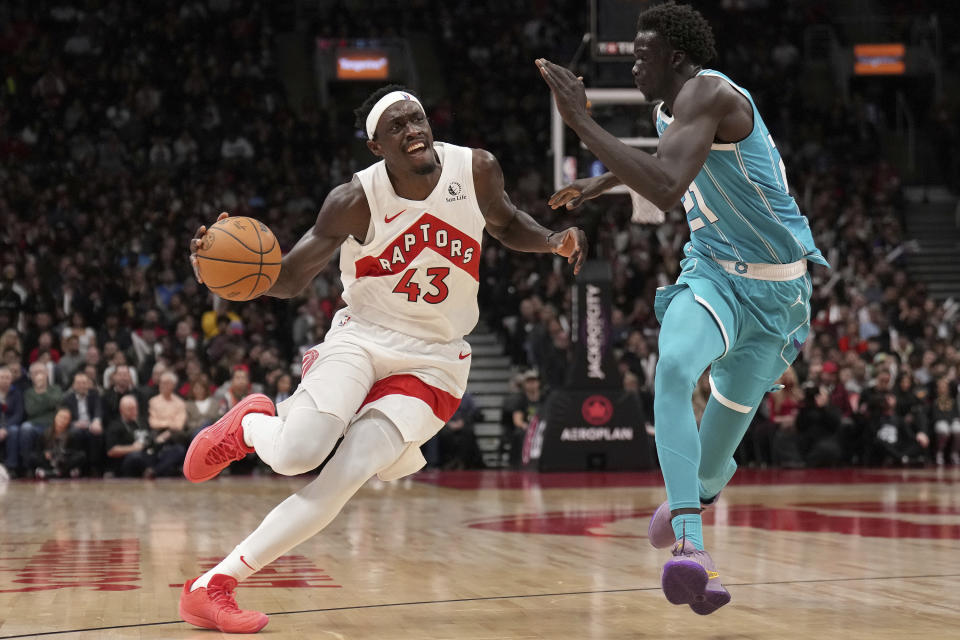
<point x="575" y="193"/>
<point x="571" y="244"/>
<point x="569" y="93"/>
<point x="196" y="243"/>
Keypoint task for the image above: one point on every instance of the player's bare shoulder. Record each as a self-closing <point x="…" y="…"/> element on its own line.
<point x="346" y="210"/>
<point x="487" y="177"/>
<point x="484" y="161"/>
<point x="711" y="94"/>
<point x="713" y="97"/>
<point x="704" y="93"/>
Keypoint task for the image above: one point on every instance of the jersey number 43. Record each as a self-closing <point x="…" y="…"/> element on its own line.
<point x="412" y="290"/>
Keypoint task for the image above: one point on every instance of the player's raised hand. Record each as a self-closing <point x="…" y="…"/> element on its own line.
<point x="571" y="244"/>
<point x="195" y="244"/>
<point x="574" y="194"/>
<point x="568" y="90"/>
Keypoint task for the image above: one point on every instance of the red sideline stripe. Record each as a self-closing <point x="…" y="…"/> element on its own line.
<point x="443" y="404"/>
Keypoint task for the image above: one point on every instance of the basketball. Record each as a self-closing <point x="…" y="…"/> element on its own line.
<point x="239" y="258"/>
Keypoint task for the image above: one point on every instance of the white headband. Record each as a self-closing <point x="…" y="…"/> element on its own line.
<point x="374" y="116"/>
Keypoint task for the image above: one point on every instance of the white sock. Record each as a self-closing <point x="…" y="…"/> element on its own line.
<point x="260" y="427"/>
<point x="235" y="565"/>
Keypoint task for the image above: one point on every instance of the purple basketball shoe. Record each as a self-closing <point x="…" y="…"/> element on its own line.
<point x="690" y="577"/>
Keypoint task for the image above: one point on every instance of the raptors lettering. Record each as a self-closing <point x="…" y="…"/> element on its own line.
<point x="428" y="232"/>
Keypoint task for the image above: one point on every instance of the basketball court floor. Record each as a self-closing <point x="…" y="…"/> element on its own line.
<point x="491" y="555"/>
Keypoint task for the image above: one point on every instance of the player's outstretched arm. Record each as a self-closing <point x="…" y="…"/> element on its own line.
<point x="661" y="179"/>
<point x="514" y="228"/>
<point x="344" y="212"/>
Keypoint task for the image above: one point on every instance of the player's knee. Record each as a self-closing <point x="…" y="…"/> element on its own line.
<point x="308" y="438"/>
<point x="676" y="372"/>
<point x="298" y="460"/>
<point x="371" y="445"/>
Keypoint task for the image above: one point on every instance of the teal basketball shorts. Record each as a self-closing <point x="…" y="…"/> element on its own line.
<point x="764" y="323"/>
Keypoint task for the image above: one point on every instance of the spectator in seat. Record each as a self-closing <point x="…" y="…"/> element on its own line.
<point x="71" y="361"/>
<point x="86" y="336"/>
<point x="555" y="359"/>
<point x="458" y="444"/>
<point x="44" y="346"/>
<point x="193" y="371"/>
<point x="818" y="429"/>
<point x="10" y="339"/>
<point x="894" y="442"/>
<point x="94" y="364"/>
<point x="127" y="439"/>
<point x="202" y="409"/>
<point x="121" y="384"/>
<point x="167" y="419"/>
<point x="86" y="413"/>
<point x="117" y="359"/>
<point x="946" y="422"/>
<point x="152" y="386"/>
<point x="112" y="331"/>
<point x="11" y="415"/>
<point x="21" y="377"/>
<point x="912" y="404"/>
<point x="235" y="389"/>
<point x="167" y="410"/>
<point x="284" y="387"/>
<point x="839" y="396"/>
<point x="784" y="406"/>
<point x="61" y="455"/>
<point x="40" y="404"/>
<point x="522" y="409"/>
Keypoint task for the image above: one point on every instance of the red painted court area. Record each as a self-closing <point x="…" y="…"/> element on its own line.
<point x="472" y="480"/>
<point x="870" y="519"/>
<point x="893" y="516"/>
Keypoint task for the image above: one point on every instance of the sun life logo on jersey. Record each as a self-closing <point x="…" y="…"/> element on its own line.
<point x="455" y="192"/>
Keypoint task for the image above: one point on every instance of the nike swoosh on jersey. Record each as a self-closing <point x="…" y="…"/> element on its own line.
<point x="464" y="356"/>
<point x="389" y="219"/>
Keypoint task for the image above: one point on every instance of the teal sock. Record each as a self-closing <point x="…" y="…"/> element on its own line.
<point x="689" y="526"/>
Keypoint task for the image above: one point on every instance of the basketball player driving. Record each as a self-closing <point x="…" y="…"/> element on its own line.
<point x="394" y="364"/>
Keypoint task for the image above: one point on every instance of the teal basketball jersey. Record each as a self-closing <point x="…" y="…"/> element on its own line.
<point x="739" y="207"/>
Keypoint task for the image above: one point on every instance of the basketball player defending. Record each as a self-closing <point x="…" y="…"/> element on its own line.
<point x="741" y="302"/>
<point x="393" y="367"/>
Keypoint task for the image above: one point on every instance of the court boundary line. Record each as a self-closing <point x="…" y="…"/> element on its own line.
<point x="483" y="599"/>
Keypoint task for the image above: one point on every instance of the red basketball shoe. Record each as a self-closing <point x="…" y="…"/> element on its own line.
<point x="222" y="442"/>
<point x="214" y="607"/>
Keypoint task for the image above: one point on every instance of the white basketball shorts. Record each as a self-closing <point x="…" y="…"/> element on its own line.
<point x="362" y="366"/>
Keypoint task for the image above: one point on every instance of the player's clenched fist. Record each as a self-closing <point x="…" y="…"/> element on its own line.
<point x="571" y="244"/>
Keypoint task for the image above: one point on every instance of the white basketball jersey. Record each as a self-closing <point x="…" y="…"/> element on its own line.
<point x="418" y="270"/>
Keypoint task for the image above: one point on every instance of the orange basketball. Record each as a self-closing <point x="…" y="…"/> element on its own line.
<point x="239" y="258"/>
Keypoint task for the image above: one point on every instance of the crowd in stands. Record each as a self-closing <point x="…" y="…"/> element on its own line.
<point x="126" y="125"/>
